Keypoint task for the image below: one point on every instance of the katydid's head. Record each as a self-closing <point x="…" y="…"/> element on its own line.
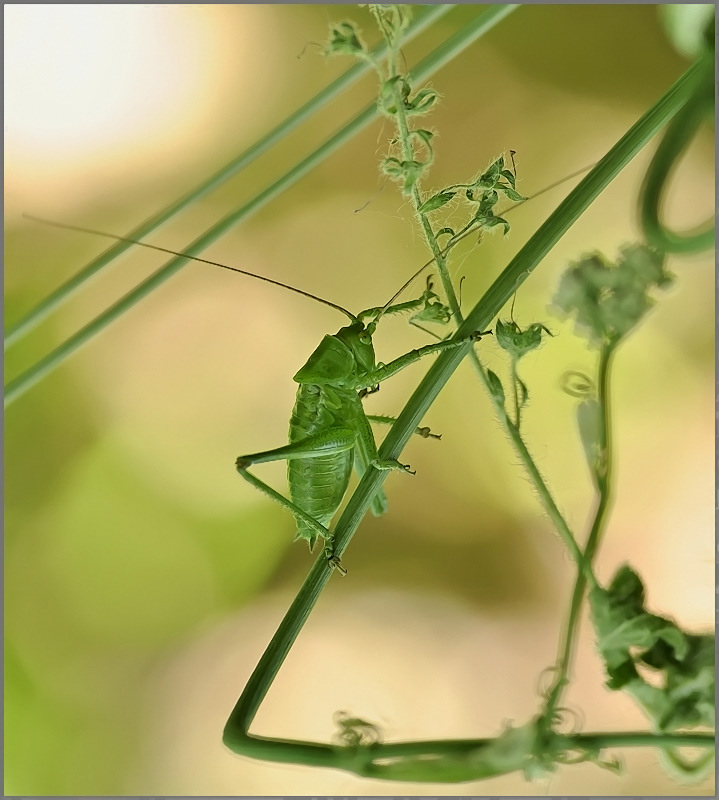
<point x="339" y="359"/>
<point x="357" y="337"/>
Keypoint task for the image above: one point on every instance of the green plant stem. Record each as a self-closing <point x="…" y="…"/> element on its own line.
<point x="515" y="393"/>
<point x="440" y="56"/>
<point x="511" y="427"/>
<point x="236" y="734"/>
<point x="545" y="496"/>
<point x="603" y="481"/>
<point x="54" y="300"/>
<point x="439" y="257"/>
<point x="449" y="760"/>
<point x="680" y="131"/>
<point x="438" y="254"/>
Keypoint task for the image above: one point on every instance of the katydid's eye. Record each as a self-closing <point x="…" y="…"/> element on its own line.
<point x="364" y="339"/>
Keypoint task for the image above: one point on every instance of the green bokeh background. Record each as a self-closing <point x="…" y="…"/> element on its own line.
<point x="143" y="578"/>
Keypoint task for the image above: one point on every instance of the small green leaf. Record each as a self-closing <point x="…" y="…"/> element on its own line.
<point x="523" y="392"/>
<point x="495" y="387"/>
<point x="609" y="301"/>
<point x="434" y="310"/>
<point x="486" y="188"/>
<point x="398" y="88"/>
<point x="408" y="172"/>
<point x="425" y="135"/>
<point x="682" y="696"/>
<point x="435" y="202"/>
<point x="488" y="200"/>
<point x="422" y="102"/>
<point x="492" y="221"/>
<point x="345" y="40"/>
<point x="518" y="342"/>
<point x="392" y="19"/>
<point x="589" y="419"/>
<point x="356" y="732"/>
<point x="489" y="178"/>
<point x="445" y="232"/>
<point x="513" y="195"/>
<point x="392" y="166"/>
<point x="387" y="100"/>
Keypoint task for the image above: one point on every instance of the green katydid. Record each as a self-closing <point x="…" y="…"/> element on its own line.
<point x="329" y="430"/>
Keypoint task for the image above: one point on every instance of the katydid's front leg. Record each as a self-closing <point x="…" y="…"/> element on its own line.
<point x="385" y="371"/>
<point x="333" y="440"/>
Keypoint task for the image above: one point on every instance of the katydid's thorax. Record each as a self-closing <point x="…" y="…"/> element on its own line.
<point x="342" y="360"/>
<point x="318" y="408"/>
<point x="328" y="382"/>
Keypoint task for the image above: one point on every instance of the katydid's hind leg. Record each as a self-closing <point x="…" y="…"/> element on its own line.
<point x="328" y="442"/>
<point x="316" y="528"/>
<point x="365" y="453"/>
<point x="333" y="440"/>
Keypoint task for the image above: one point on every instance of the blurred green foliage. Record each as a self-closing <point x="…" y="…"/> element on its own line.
<point x="128" y="534"/>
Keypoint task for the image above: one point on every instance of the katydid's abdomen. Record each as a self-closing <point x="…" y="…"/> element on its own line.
<point x="318" y="484"/>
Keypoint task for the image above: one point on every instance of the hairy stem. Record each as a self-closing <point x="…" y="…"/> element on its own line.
<point x="604" y="484"/>
<point x="545" y="496"/>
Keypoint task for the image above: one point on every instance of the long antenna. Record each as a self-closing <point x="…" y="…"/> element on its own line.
<point x="294" y="289"/>
<point x="193" y="258"/>
<point x="454" y="240"/>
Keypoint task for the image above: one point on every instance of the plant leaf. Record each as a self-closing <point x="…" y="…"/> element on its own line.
<point x="629" y="636"/>
<point x="345" y="40"/>
<point x="608" y="301"/>
<point x="436" y="201"/>
<point x="518" y="342"/>
<point x="495" y="386"/>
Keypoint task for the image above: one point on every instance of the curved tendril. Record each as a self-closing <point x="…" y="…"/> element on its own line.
<point x="679" y="133"/>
